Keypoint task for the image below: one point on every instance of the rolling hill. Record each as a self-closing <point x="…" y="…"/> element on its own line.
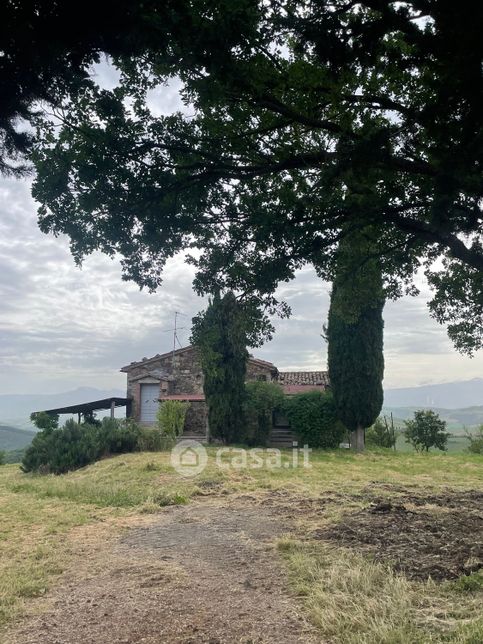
<point x="15" y="409"/>
<point x="449" y="395"/>
<point x="13" y="438"/>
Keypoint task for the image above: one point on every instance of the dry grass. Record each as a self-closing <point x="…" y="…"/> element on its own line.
<point x="353" y="600"/>
<point x="41" y="515"/>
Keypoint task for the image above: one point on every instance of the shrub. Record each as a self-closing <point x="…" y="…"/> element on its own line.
<point x="76" y="445"/>
<point x="262" y="399"/>
<point x="118" y="436"/>
<point x="426" y="430"/>
<point x="313" y="419"/>
<point x="381" y="434"/>
<point x="3" y="457"/>
<point x="152" y="440"/>
<point x="61" y="450"/>
<point x="171" y="417"/>
<point x="476" y="441"/>
<point x="38" y="454"/>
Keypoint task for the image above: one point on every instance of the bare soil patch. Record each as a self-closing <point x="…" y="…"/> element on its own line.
<point x="203" y="573"/>
<point x="422" y="535"/>
<point x="208" y="573"/>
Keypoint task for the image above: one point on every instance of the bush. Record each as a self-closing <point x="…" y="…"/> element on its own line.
<point x="3" y="457"/>
<point x="152" y="440"/>
<point x="262" y="399"/>
<point x="39" y="453"/>
<point x="381" y="434"/>
<point x="61" y="450"/>
<point x="118" y="436"/>
<point x="171" y="417"/>
<point x="314" y="420"/>
<point x="426" y="430"/>
<point x="476" y="441"/>
<point x="75" y="445"/>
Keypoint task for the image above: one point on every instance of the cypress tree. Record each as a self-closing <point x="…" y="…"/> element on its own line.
<point x="355" y="335"/>
<point x="220" y="335"/>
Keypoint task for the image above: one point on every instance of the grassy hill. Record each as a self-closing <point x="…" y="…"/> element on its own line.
<point x="13" y="438"/>
<point x="456" y="444"/>
<point x="50" y="524"/>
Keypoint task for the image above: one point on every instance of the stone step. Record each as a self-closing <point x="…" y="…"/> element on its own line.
<point x="285" y="439"/>
<point x="192" y="437"/>
<point x="282" y="435"/>
<point x="281" y="444"/>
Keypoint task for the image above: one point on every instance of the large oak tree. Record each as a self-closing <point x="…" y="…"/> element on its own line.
<point x="288" y="103"/>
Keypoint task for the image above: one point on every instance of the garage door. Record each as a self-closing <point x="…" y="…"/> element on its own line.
<point x="149" y="403"/>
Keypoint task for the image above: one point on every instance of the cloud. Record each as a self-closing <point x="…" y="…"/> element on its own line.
<point x="62" y="327"/>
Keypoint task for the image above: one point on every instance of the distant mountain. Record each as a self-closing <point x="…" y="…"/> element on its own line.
<point x="450" y="395"/>
<point x="13" y="438"/>
<point x="15" y="409"/>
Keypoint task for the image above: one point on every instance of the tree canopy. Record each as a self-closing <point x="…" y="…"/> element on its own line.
<point x="287" y="104"/>
<point x="47" y="48"/>
<point x="426" y="430"/>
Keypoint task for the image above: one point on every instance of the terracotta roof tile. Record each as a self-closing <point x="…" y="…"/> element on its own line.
<point x="303" y="378"/>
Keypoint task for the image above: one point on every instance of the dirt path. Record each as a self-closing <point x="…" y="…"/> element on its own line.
<point x="204" y="573"/>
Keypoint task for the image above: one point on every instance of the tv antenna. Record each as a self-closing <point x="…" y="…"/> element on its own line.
<point x="175" y="332"/>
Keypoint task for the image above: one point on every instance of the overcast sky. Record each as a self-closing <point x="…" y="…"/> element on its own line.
<point x="62" y="327"/>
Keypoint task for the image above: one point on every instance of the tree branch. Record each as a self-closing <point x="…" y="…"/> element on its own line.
<point x="456" y="247"/>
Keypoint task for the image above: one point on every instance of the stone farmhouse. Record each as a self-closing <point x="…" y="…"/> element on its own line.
<point x="177" y="375"/>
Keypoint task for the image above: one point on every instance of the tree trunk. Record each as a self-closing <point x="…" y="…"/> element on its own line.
<point x="358" y="439"/>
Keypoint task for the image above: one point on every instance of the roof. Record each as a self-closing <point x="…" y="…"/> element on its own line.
<point x="156" y="357"/>
<point x="304" y="378"/>
<point x="82" y="408"/>
<point x="146" y="361"/>
<point x="262" y="363"/>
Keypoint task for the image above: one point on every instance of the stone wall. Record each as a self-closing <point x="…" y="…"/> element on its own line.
<point x="196" y="422"/>
<point x="178" y="374"/>
<point x="259" y="371"/>
<point x="186" y="371"/>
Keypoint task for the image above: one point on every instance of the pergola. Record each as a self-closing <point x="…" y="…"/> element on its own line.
<point x="96" y="405"/>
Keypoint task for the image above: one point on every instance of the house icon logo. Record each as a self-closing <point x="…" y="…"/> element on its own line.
<point x="189" y="458"/>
